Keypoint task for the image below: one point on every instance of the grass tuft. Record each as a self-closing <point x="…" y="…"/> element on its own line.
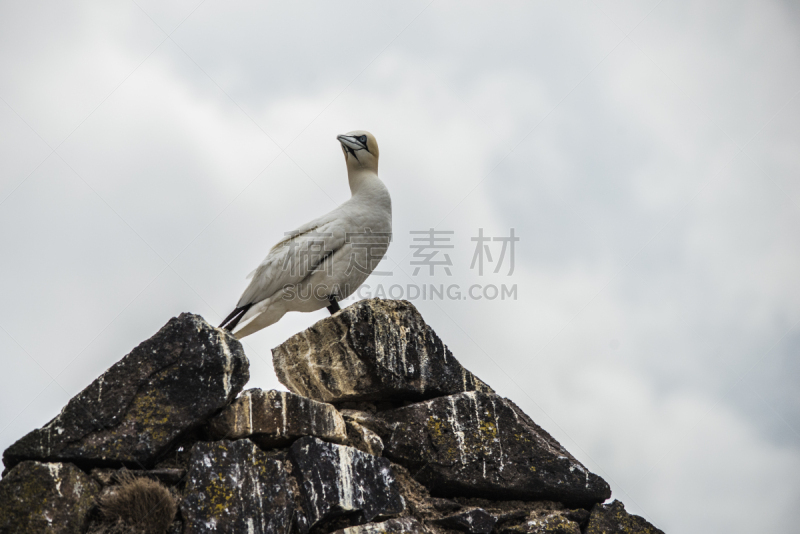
<point x="138" y="505"/>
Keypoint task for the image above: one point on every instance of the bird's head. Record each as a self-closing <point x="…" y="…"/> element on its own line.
<point x="360" y="150"/>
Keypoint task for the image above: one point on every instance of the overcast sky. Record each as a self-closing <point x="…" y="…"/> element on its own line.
<point x="646" y="154"/>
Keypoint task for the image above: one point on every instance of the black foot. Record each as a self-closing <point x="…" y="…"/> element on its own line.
<point x="334" y="307"/>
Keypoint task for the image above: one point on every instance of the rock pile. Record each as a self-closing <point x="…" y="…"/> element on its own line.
<point x="382" y="431"/>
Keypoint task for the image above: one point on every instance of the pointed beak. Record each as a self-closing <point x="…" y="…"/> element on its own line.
<point x="351" y="142"/>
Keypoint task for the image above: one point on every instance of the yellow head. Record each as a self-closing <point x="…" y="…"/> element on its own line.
<point x="360" y="150"/>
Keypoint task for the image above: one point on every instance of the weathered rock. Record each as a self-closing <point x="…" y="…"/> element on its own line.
<point x="335" y="480"/>
<point x="133" y="412"/>
<point x="234" y="487"/>
<point x="45" y="497"/>
<point x="276" y="418"/>
<point x="532" y="517"/>
<point x="547" y="523"/>
<point x="483" y="445"/>
<point x="508" y="517"/>
<point x="373" y="350"/>
<point x="613" y="519"/>
<point x="416" y="497"/>
<point x="473" y="520"/>
<point x="400" y="525"/>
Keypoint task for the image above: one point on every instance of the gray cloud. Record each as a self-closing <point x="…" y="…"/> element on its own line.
<point x="656" y="330"/>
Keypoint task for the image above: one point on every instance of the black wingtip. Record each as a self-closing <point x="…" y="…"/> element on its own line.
<point x="334" y="305"/>
<point x="235" y="316"/>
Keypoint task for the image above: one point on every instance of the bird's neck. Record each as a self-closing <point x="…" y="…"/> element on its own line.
<point x="362" y="180"/>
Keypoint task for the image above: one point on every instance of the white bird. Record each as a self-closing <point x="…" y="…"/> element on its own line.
<point x="327" y="259"/>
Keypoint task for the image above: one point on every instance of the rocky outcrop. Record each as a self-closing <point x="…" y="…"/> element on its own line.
<point x="277" y="418"/>
<point x="374" y="349"/>
<point x="45" y="497"/>
<point x="613" y="519"/>
<point x="471" y="520"/>
<point x="482" y="445"/>
<point x="383" y="432"/>
<point x="134" y="411"/>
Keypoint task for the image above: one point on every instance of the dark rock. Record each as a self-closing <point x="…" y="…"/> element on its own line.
<point x="372" y="350"/>
<point x="133" y="412"/>
<point x="336" y="480"/>
<point x="277" y="418"/>
<point x="474" y="521"/>
<point x="579" y="515"/>
<point x="536" y="517"/>
<point x="416" y="497"/>
<point x="234" y="487"/>
<point x="444" y="505"/>
<point x="613" y="519"/>
<point x="45" y="497"/>
<point x="512" y="517"/>
<point x="400" y="525"/>
<point x="531" y="517"/>
<point x="482" y="445"/>
<point x="553" y="523"/>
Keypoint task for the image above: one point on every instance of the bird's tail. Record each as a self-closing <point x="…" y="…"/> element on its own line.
<point x="235" y="316"/>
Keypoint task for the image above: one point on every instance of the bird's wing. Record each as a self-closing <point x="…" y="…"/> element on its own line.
<point x="293" y="258"/>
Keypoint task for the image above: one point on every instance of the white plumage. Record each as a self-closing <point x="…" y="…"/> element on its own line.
<point x="326" y="259"/>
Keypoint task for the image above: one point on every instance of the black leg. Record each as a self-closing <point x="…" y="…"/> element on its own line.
<point x="334" y="307"/>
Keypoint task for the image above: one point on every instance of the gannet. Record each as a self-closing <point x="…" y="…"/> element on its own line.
<point x="327" y="259"/>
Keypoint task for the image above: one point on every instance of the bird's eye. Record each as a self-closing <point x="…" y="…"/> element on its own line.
<point x="363" y="139"/>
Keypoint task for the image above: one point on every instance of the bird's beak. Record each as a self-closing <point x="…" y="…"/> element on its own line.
<point x="351" y="142"/>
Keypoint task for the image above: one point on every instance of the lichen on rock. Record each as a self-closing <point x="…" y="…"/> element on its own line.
<point x="131" y="414"/>
<point x="233" y="486"/>
<point x="45" y="497"/>
<point x="373" y="350"/>
<point x="613" y="519"/>
<point x="335" y="480"/>
<point x="482" y="445"/>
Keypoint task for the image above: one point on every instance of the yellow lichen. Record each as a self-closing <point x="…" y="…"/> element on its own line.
<point x="151" y="408"/>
